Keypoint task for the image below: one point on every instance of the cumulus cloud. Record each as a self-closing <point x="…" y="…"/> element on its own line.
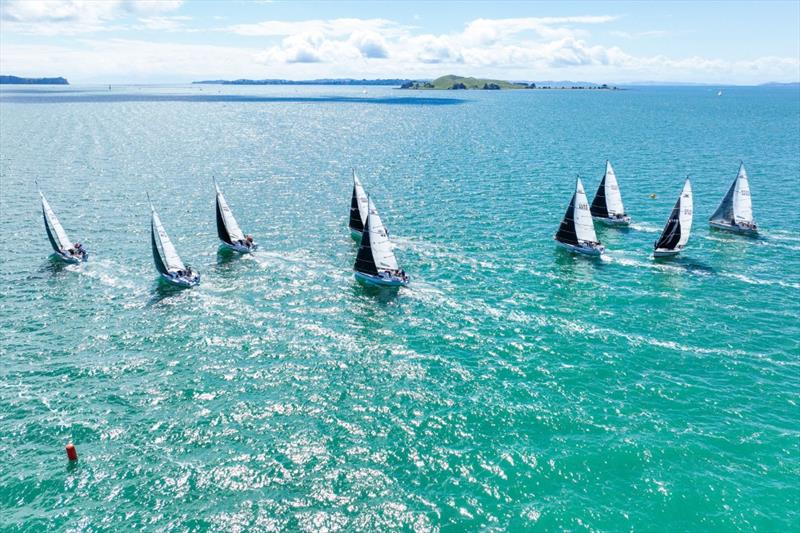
<point x="49" y="17"/>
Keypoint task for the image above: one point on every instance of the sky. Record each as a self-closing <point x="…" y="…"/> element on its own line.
<point x="178" y="41"/>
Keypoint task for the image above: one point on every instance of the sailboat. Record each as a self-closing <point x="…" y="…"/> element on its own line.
<point x="375" y="261"/>
<point x="228" y="230"/>
<point x="168" y="263"/>
<point x="735" y="212"/>
<point x="358" y="208"/>
<point x="63" y="247"/>
<point x="676" y="232"/>
<point x="607" y="205"/>
<point x="576" y="232"/>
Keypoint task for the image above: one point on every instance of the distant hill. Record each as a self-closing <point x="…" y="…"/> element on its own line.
<point x="452" y="81"/>
<point x="781" y="84"/>
<point x="325" y="81"/>
<point x="14" y="80"/>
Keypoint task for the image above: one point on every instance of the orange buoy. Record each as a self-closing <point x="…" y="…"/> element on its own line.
<point x="72" y="453"/>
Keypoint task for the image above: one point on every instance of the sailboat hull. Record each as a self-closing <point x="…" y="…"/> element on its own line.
<point x="182" y="282"/>
<point x="665" y="253"/>
<point x="239" y="248"/>
<point x="380" y="280"/>
<point x="71" y="259"/>
<point x="734" y="228"/>
<point x="622" y="221"/>
<point x="582" y="249"/>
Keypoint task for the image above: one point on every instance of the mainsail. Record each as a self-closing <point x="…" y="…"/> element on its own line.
<point x="608" y="200"/>
<point x="358" y="205"/>
<point x="679" y="225"/>
<point x="375" y="252"/>
<point x="55" y="231"/>
<point x="227" y="228"/>
<point x="736" y="206"/>
<point x="164" y="253"/>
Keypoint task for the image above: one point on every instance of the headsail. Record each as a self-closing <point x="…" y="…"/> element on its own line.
<point x="55" y="232"/>
<point x="742" y="203"/>
<point x="608" y="199"/>
<point x="679" y="225"/>
<point x="358" y="205"/>
<point x="164" y="253"/>
<point x="227" y="228"/>
<point x="687" y="212"/>
<point x="584" y="227"/>
<point x="375" y="252"/>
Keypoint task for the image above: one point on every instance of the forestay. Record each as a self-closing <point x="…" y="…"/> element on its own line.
<point x="227" y="228"/>
<point x="55" y="232"/>
<point x="163" y="248"/>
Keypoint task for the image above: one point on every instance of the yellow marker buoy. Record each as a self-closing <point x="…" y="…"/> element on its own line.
<point x="653" y="196"/>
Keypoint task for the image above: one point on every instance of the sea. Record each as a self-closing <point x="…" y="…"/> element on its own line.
<point x="512" y="386"/>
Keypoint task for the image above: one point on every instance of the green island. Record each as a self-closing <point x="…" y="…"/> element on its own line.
<point x="453" y="82"/>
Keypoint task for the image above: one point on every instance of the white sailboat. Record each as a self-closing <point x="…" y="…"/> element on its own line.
<point x="358" y="208"/>
<point x="576" y="232"/>
<point x="168" y="263"/>
<point x="676" y="231"/>
<point x="63" y="247"/>
<point x="228" y="229"/>
<point x="735" y="212"/>
<point x="376" y="263"/>
<point x="607" y="205"/>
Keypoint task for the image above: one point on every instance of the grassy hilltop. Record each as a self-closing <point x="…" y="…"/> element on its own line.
<point x="460" y="82"/>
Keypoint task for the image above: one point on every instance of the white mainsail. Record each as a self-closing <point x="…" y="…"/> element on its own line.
<point x="687" y="206"/>
<point x="170" y="256"/>
<point x="613" y="196"/>
<point x="584" y="227"/>
<point x="234" y="231"/>
<point x="742" y="203"/>
<point x="60" y="235"/>
<point x="361" y="197"/>
<point x="379" y="242"/>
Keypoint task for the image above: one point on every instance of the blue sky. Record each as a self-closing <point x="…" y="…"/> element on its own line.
<point x="117" y="41"/>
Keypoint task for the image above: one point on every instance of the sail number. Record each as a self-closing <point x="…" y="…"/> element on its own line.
<point x="583" y="206"/>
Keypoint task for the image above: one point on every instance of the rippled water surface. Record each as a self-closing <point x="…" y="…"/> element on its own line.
<point x="511" y="386"/>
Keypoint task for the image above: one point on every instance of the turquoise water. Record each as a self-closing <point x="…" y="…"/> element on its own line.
<point x="511" y="386"/>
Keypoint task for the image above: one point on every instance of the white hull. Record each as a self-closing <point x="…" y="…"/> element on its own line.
<point x="71" y="259"/>
<point x="665" y="253"/>
<point x="380" y="280"/>
<point x="733" y="228"/>
<point x="182" y="282"/>
<point x="624" y="221"/>
<point x="239" y="248"/>
<point x="582" y="249"/>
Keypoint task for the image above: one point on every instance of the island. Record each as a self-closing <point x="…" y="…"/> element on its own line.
<point x="14" y="80"/>
<point x="453" y="82"/>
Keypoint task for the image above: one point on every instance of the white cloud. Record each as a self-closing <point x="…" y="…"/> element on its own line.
<point x="513" y="48"/>
<point x="51" y="17"/>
